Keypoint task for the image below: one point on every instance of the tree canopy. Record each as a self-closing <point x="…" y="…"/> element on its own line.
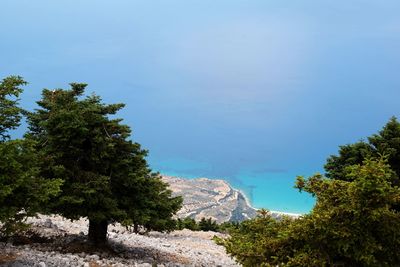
<point x="385" y="142"/>
<point x="76" y="160"/>
<point x="106" y="177"/>
<point x="352" y="224"/>
<point x="23" y="191"/>
<point x="10" y="112"/>
<point x="355" y="221"/>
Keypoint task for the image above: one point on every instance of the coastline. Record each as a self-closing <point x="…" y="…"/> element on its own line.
<point x="246" y="199"/>
<point x="273" y="212"/>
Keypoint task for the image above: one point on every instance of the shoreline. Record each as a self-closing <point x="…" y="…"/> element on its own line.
<point x="247" y="200"/>
<point x="290" y="214"/>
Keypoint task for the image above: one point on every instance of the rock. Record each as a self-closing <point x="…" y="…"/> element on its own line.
<point x="95" y="257"/>
<point x="42" y="264"/>
<point x="48" y="223"/>
<point x="179" y="248"/>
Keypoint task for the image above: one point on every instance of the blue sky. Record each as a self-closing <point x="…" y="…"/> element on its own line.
<point x="250" y="91"/>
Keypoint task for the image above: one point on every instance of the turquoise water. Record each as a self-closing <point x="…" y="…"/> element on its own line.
<point x="273" y="191"/>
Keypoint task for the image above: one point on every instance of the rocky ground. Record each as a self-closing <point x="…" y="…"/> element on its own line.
<point x="56" y="241"/>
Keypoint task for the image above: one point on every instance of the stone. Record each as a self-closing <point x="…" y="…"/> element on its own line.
<point x="48" y="223"/>
<point x="95" y="257"/>
<point x="193" y="248"/>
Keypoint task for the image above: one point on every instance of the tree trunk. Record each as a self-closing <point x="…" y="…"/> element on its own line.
<point x="98" y="232"/>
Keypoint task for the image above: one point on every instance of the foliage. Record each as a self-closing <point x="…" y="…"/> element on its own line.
<point x="23" y="191"/>
<point x="152" y="206"/>
<point x="386" y="142"/>
<point x="203" y="225"/>
<point x="348" y="155"/>
<point x="208" y="225"/>
<point x="226" y="227"/>
<point x="106" y="175"/>
<point x="187" y="223"/>
<point x="352" y="224"/>
<point x="10" y="112"/>
<point x="354" y="221"/>
<point x="256" y="242"/>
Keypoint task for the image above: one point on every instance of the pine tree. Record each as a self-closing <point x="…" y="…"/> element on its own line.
<point x="105" y="173"/>
<point x="385" y="142"/>
<point x="10" y="112"/>
<point x="352" y="224"/>
<point x="23" y="192"/>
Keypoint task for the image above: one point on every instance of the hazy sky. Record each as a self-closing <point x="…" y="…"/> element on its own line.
<point x="219" y="87"/>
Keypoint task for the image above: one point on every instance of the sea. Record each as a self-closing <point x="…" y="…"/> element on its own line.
<point x="252" y="92"/>
<point x="272" y="191"/>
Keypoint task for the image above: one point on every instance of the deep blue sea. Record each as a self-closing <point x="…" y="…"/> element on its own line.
<point x="254" y="92"/>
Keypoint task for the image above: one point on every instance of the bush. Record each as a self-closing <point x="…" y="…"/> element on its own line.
<point x="352" y="224"/>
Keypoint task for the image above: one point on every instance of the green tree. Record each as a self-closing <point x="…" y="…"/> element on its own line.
<point x="385" y="142"/>
<point x="190" y="223"/>
<point x="152" y="207"/>
<point x="257" y="242"/>
<point x="208" y="225"/>
<point x="106" y="174"/>
<point x="179" y="224"/>
<point x="226" y="227"/>
<point x="23" y="191"/>
<point x="352" y="224"/>
<point x="10" y="112"/>
<point x="348" y="155"/>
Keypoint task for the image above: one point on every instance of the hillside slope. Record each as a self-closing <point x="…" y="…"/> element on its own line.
<point x="64" y="245"/>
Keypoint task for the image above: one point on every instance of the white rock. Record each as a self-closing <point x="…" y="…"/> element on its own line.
<point x="48" y="223"/>
<point x="95" y="257"/>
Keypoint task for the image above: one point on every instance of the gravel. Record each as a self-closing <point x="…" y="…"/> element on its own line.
<point x="67" y="248"/>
